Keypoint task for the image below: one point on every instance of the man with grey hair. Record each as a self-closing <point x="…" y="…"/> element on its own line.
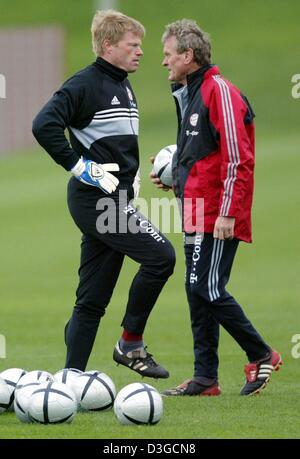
<point x="98" y="107"/>
<point x="214" y="162"/>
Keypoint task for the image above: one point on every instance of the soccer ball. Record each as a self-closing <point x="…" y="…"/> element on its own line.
<point x="4" y="396"/>
<point x="34" y="376"/>
<point x="162" y="166"/>
<point x="67" y="376"/>
<point x="52" y="403"/>
<point x="22" y="399"/>
<point x="94" y="391"/>
<point x="138" y="403"/>
<point x="12" y="377"/>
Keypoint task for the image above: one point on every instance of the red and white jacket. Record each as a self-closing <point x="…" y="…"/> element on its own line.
<point x="215" y="154"/>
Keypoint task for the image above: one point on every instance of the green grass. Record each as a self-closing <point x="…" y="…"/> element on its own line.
<point x="40" y="252"/>
<point x="256" y="46"/>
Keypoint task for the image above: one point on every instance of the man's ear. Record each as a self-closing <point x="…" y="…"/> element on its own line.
<point x="106" y="47"/>
<point x="189" y="56"/>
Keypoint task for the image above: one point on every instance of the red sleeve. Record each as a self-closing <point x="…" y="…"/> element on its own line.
<point x="236" y="141"/>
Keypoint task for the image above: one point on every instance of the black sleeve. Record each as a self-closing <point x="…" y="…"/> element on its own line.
<point x="50" y="123"/>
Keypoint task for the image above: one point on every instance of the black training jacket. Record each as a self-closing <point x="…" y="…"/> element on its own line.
<point x="99" y="109"/>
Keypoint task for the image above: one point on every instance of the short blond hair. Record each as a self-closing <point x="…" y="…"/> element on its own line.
<point x="112" y="25"/>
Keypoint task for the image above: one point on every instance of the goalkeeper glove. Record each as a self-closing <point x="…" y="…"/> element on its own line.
<point x="137" y="184"/>
<point x="98" y="175"/>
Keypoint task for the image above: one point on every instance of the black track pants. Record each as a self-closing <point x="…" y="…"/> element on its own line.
<point x="102" y="254"/>
<point x="208" y="263"/>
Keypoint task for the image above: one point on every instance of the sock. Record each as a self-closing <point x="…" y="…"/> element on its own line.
<point x="129" y="342"/>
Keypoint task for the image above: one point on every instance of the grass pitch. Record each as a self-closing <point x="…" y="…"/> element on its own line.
<point x="256" y="46"/>
<point x="40" y="254"/>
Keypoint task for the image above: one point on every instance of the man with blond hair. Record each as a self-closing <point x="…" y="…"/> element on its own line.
<point x="214" y="163"/>
<point x="98" y="107"/>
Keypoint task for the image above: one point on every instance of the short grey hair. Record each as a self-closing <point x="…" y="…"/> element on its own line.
<point x="190" y="36"/>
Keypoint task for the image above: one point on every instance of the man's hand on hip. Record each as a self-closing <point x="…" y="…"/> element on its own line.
<point x="98" y="175"/>
<point x="224" y="228"/>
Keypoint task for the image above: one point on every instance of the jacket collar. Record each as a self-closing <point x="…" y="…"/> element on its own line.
<point x="114" y="72"/>
<point x="196" y="78"/>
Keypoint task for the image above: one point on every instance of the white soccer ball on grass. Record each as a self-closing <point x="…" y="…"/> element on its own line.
<point x="12" y="376"/>
<point x="67" y="376"/>
<point x="95" y="391"/>
<point x="34" y="376"/>
<point x="4" y="396"/>
<point x="138" y="403"/>
<point x="22" y="399"/>
<point x="52" y="403"/>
